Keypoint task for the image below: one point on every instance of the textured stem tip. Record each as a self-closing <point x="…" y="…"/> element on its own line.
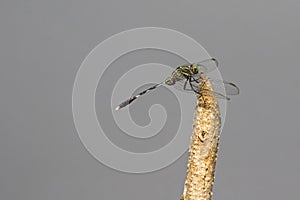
<point x="204" y="145"/>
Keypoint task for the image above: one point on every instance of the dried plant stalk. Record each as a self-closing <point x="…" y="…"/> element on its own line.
<point x="204" y="145"/>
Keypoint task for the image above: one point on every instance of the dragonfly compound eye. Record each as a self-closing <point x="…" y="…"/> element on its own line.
<point x="195" y="68"/>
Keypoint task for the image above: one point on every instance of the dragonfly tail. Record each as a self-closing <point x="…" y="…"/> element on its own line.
<point x="130" y="100"/>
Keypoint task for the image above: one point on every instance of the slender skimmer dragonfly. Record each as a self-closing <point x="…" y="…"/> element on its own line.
<point x="188" y="77"/>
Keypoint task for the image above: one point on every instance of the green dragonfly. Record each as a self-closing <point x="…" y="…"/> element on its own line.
<point x="187" y="78"/>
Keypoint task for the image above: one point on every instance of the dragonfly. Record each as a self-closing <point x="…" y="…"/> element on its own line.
<point x="187" y="78"/>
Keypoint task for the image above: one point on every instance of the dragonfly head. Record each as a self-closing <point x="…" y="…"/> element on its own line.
<point x="195" y="68"/>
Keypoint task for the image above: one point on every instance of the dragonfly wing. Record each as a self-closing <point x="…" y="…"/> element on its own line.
<point x="208" y="65"/>
<point x="230" y="88"/>
<point x="219" y="94"/>
<point x="193" y="87"/>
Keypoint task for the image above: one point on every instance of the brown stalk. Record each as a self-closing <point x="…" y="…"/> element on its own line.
<point x="204" y="145"/>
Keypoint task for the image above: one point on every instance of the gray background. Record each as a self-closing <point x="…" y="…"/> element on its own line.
<point x="43" y="44"/>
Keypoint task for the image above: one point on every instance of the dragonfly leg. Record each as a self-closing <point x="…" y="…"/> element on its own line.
<point x="192" y="85"/>
<point x="196" y="80"/>
<point x="184" y="87"/>
<point x="197" y="92"/>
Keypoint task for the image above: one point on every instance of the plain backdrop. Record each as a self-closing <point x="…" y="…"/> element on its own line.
<point x="42" y="44"/>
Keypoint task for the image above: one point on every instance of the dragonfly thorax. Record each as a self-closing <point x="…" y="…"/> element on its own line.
<point x="181" y="73"/>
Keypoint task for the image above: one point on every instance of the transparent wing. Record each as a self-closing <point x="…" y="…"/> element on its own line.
<point x="193" y="87"/>
<point x="220" y="85"/>
<point x="207" y="65"/>
<point x="219" y="94"/>
<point x="230" y="88"/>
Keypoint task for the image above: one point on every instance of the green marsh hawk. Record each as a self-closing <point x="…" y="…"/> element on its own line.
<point x="188" y="77"/>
